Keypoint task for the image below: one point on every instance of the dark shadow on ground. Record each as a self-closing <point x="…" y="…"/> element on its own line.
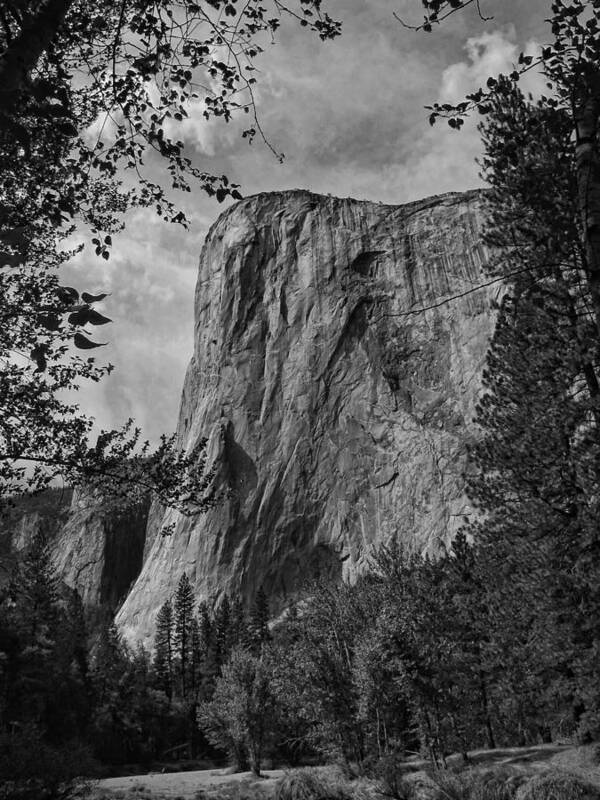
<point x="503" y="755"/>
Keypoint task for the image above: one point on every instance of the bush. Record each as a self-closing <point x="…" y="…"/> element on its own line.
<point x="389" y="772"/>
<point x="31" y="769"/>
<point x="558" y="786"/>
<point x="308" y="784"/>
<point x="495" y="784"/>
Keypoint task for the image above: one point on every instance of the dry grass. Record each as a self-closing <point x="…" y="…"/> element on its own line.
<point x="556" y="785"/>
<point x="536" y="773"/>
<point x="246" y="789"/>
<point x="498" y="783"/>
<point x="313" y="784"/>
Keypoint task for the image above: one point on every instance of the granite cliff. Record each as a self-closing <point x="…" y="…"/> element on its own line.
<point x="99" y="550"/>
<point x="337" y="410"/>
<point x="96" y="548"/>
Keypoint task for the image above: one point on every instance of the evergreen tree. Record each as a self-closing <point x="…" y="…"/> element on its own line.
<point x="183" y="612"/>
<point x="42" y="651"/>
<point x="109" y="666"/>
<point x="36" y="582"/>
<point x="258" y="626"/>
<point x="208" y="647"/>
<point x="163" y="648"/>
<point x="467" y="591"/>
<point x="239" y="629"/>
<point x="195" y="659"/>
<point x="222" y="632"/>
<point x="537" y="475"/>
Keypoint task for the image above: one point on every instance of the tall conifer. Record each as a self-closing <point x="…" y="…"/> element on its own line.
<point x="183" y="610"/>
<point x="258" y="626"/>
<point x="163" y="648"/>
<point x="536" y="472"/>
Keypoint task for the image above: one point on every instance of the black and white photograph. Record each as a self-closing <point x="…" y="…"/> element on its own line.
<point x="299" y="399"/>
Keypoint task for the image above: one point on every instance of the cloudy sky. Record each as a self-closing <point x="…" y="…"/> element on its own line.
<point x="348" y="115"/>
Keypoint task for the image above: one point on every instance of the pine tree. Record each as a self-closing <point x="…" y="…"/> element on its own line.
<point x="537" y="466"/>
<point x="209" y="667"/>
<point x="195" y="672"/>
<point x="37" y="582"/>
<point x="258" y="626"/>
<point x="205" y="625"/>
<point x="43" y="650"/>
<point x="163" y="648"/>
<point x="239" y="634"/>
<point x="109" y="664"/>
<point x="183" y="611"/>
<point x="222" y="635"/>
<point x="469" y="627"/>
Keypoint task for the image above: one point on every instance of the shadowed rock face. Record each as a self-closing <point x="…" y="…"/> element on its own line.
<point x="96" y="549"/>
<point x="337" y="416"/>
<point x="99" y="551"/>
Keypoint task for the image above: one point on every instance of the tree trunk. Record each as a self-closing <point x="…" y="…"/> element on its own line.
<point x="588" y="183"/>
<point x="25" y="50"/>
<point x="485" y="706"/>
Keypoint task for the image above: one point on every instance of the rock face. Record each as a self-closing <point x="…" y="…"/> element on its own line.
<point x="44" y="513"/>
<point x="99" y="551"/>
<point x="337" y="410"/>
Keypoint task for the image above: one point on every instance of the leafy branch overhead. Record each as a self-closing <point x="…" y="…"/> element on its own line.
<point x="104" y="85"/>
<point x="92" y="95"/>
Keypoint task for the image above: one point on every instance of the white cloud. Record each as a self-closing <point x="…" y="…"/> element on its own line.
<point x="488" y="54"/>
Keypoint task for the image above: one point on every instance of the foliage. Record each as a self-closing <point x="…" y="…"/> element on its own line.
<point x="131" y="721"/>
<point x="258" y="624"/>
<point x="558" y="786"/>
<point x="43" y="668"/>
<point x="89" y="94"/>
<point x="163" y="648"/>
<point x="500" y="783"/>
<point x="183" y="610"/>
<point x="535" y="469"/>
<point x="31" y="769"/>
<point x="238" y="718"/>
<point x="390" y="772"/>
<point x="310" y="784"/>
<point x="44" y="686"/>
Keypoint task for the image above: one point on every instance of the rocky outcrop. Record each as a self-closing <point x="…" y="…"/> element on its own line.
<point x="336" y="387"/>
<point x="99" y="550"/>
<point x="24" y="518"/>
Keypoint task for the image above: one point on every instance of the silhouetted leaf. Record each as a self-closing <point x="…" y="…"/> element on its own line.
<point x="94" y="318"/>
<point x="93" y="298"/>
<point x="38" y="354"/>
<point x="68" y="295"/>
<point x="83" y="343"/>
<point x="87" y="315"/>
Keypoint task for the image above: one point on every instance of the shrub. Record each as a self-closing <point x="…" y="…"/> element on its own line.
<point x="558" y="786"/>
<point x="308" y="784"/>
<point x="495" y="784"/>
<point x="389" y="772"/>
<point x="31" y="769"/>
